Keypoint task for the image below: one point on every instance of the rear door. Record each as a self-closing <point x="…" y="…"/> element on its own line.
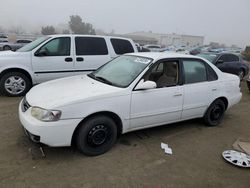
<point x="55" y="60"/>
<point x="200" y="87"/>
<point x="90" y="53"/>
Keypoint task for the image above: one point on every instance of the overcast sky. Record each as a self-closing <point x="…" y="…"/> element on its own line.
<point x="226" y="21"/>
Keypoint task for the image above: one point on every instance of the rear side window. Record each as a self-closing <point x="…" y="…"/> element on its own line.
<point x="194" y="71"/>
<point x="91" y="46"/>
<point x="211" y="74"/>
<point x="122" y="46"/>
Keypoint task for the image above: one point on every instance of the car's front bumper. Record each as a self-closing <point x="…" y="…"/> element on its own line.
<point x="57" y="133"/>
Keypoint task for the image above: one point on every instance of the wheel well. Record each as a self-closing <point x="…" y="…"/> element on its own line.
<point x="17" y="70"/>
<point x="225" y="101"/>
<point x="112" y="115"/>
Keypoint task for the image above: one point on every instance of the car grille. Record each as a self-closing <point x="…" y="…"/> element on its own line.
<point x="25" y="105"/>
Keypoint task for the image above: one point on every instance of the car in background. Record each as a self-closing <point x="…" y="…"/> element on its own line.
<point x="228" y="62"/>
<point x="57" y="56"/>
<point x="131" y="92"/>
<point x="153" y="47"/>
<point x="14" y="45"/>
<point x="3" y="38"/>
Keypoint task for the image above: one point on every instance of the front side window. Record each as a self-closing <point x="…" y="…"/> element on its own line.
<point x="57" y="47"/>
<point x="122" y="46"/>
<point x="121" y="71"/>
<point x="194" y="71"/>
<point x="164" y="74"/>
<point x="91" y="46"/>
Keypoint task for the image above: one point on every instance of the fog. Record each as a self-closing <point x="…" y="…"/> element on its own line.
<point x="225" y="21"/>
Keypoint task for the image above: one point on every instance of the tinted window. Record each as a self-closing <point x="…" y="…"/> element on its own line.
<point x="194" y="71"/>
<point x="211" y="74"/>
<point x="229" y="58"/>
<point x="57" y="47"/>
<point x="91" y="46"/>
<point x="122" y="46"/>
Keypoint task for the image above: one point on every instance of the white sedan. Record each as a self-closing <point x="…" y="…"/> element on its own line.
<point x="131" y="92"/>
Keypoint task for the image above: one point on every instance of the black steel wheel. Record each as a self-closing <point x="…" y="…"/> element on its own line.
<point x="96" y="136"/>
<point x="215" y="113"/>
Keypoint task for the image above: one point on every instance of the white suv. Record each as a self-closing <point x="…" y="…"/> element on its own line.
<point x="56" y="56"/>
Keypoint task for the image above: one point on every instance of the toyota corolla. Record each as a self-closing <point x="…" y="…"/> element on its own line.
<point x="131" y="92"/>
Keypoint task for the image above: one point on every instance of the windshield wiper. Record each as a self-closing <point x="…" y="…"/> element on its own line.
<point x="104" y="80"/>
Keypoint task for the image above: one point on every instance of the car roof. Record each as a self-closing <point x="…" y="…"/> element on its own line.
<point x="163" y="55"/>
<point x="81" y="35"/>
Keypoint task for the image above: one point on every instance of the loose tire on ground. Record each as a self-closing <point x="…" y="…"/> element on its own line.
<point x="96" y="136"/>
<point x="215" y="113"/>
<point x="14" y="84"/>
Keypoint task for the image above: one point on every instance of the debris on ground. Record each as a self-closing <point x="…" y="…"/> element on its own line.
<point x="237" y="158"/>
<point x="166" y="149"/>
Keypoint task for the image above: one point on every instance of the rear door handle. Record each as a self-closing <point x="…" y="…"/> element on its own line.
<point x="178" y="95"/>
<point x="79" y="59"/>
<point x="214" y="89"/>
<point x="68" y="59"/>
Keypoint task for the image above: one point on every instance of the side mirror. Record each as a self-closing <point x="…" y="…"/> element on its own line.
<point x="220" y="61"/>
<point x="41" y="52"/>
<point x="145" y="85"/>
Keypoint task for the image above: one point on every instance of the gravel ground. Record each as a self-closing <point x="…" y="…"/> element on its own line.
<point x="135" y="161"/>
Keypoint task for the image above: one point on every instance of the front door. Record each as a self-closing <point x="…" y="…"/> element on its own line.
<point x="160" y="105"/>
<point x="53" y="60"/>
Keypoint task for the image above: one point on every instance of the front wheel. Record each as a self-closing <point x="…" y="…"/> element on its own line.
<point x="215" y="113"/>
<point x="14" y="84"/>
<point x="96" y="136"/>
<point x="5" y="48"/>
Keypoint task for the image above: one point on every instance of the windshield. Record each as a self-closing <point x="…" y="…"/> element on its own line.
<point x="121" y="71"/>
<point x="33" y="44"/>
<point x="209" y="57"/>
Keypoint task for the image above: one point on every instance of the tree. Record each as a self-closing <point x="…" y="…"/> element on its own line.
<point x="48" y="30"/>
<point x="77" y="26"/>
<point x="16" y="30"/>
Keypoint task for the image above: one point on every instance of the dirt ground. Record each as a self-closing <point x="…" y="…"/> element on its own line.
<point x="135" y="161"/>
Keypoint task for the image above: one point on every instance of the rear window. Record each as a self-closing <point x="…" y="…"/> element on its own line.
<point x="91" y="46"/>
<point x="122" y="46"/>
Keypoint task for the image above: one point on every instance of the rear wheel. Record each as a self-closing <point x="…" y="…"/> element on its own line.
<point x="215" y="113"/>
<point x="96" y="136"/>
<point x="14" y="84"/>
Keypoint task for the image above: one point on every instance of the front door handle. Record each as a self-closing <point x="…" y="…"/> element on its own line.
<point x="68" y="59"/>
<point x="79" y="59"/>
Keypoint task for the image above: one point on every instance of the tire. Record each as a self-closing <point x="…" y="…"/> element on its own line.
<point x="5" y="48"/>
<point x="96" y="136"/>
<point x="215" y="113"/>
<point x="14" y="84"/>
<point x="241" y="74"/>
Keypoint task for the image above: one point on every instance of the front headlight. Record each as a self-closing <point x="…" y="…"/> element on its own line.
<point x="45" y="115"/>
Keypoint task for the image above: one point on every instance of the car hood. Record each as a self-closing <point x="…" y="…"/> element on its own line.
<point x="10" y="53"/>
<point x="65" y="91"/>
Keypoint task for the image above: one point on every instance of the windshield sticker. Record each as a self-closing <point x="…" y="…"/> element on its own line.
<point x="142" y="60"/>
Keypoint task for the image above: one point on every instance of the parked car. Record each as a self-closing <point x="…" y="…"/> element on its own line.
<point x="57" y="56"/>
<point x="228" y="62"/>
<point x="3" y="38"/>
<point x="131" y="92"/>
<point x="13" y="45"/>
<point x="153" y="47"/>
